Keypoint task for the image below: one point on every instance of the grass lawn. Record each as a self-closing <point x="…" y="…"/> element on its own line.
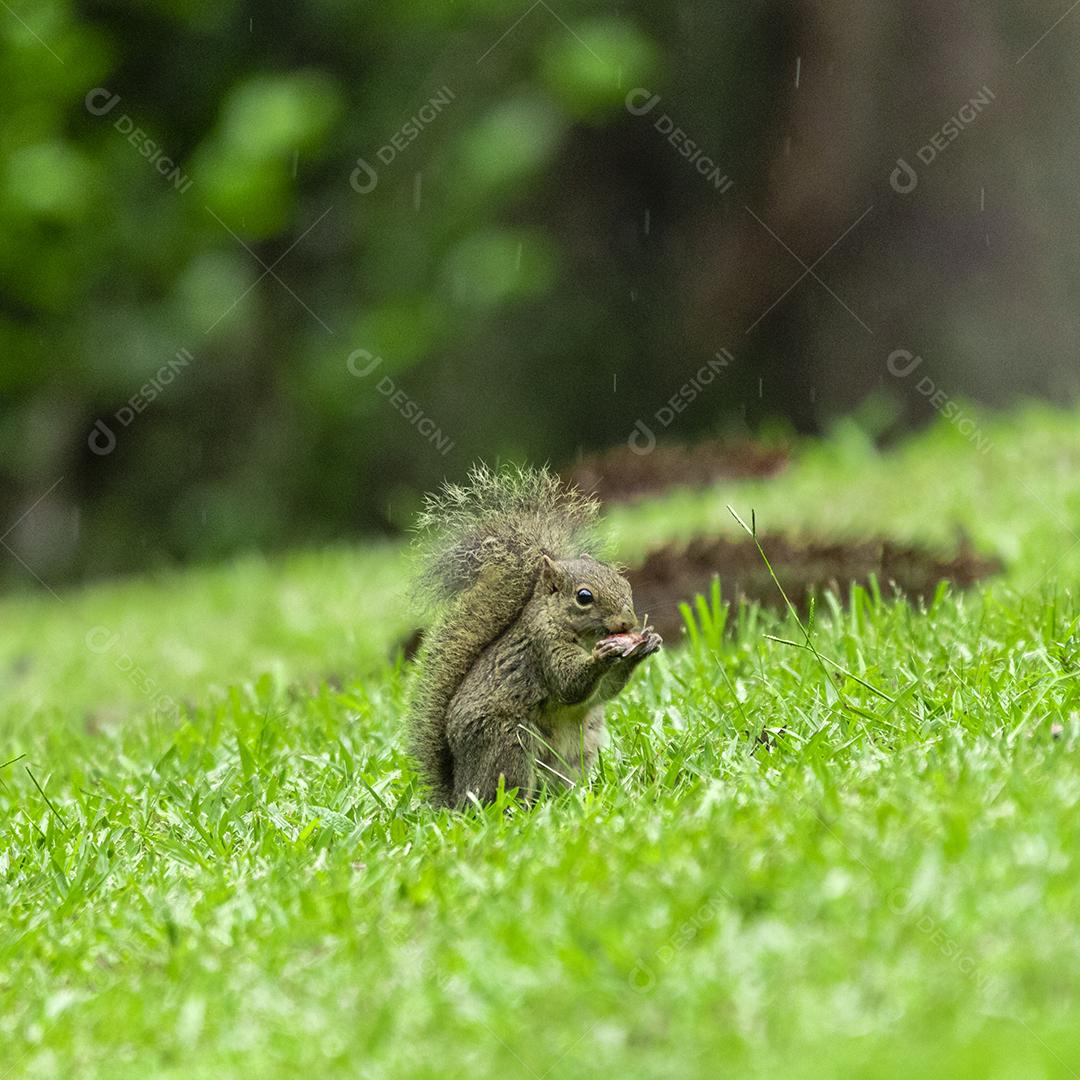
<point x="213" y="860"/>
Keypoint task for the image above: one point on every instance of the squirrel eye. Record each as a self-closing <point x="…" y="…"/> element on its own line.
<point x="584" y="597"/>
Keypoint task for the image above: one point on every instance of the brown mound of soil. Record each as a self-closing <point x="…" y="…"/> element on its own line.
<point x="618" y="474"/>
<point x="672" y="574"/>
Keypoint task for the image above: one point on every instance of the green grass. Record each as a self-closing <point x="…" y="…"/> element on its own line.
<point x="884" y="885"/>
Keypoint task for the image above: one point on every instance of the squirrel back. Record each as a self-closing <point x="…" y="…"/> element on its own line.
<point x="480" y="546"/>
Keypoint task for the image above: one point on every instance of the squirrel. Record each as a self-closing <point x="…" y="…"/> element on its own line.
<point x="531" y="636"/>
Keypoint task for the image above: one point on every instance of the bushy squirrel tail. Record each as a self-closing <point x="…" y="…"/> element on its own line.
<point x="478" y="552"/>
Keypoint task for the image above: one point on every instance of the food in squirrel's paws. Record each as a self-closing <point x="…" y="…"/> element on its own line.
<point x="627" y="641"/>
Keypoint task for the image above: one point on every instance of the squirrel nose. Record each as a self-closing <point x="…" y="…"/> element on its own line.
<point x="623" y="622"/>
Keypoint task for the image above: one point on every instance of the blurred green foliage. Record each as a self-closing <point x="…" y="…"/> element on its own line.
<point x="461" y="192"/>
<point x="175" y="175"/>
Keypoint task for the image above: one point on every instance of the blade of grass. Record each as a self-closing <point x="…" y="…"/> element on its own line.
<point x="751" y="531"/>
<point x="59" y="816"/>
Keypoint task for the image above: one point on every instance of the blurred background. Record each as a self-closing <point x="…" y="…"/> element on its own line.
<point x="269" y="271"/>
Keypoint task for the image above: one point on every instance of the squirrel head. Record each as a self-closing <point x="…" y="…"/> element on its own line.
<point x="589" y="598"/>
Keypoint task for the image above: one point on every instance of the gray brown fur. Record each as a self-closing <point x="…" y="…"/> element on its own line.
<point x="513" y="675"/>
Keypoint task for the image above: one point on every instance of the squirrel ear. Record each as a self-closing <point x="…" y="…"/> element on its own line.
<point x="549" y="573"/>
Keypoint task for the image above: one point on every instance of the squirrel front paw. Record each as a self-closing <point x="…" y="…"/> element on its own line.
<point x="635" y="645"/>
<point x="610" y="648"/>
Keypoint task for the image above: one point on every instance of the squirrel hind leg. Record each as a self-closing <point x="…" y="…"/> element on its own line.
<point x="484" y="751"/>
